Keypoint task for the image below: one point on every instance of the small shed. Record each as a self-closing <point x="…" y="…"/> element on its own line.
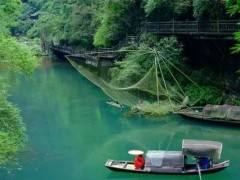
<point x="201" y="148"/>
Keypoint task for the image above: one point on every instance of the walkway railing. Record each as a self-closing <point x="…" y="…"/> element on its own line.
<point x="207" y="28"/>
<point x="96" y="53"/>
<point x="221" y="27"/>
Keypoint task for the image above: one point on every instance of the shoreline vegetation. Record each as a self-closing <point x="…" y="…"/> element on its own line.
<point x="87" y="25"/>
<point x="15" y="57"/>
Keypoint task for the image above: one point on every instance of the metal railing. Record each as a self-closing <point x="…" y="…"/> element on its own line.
<point x="218" y="27"/>
<point x="221" y="27"/>
<point x="100" y="52"/>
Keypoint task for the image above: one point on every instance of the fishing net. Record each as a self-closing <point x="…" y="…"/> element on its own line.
<point x="127" y="95"/>
<point x="134" y="96"/>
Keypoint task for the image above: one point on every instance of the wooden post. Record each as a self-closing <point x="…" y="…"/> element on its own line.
<point x="198" y="26"/>
<point x="173" y="26"/>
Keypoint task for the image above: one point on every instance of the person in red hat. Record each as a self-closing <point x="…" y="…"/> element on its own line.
<point x="139" y="162"/>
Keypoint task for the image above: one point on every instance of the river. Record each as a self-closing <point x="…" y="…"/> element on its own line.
<point x="72" y="131"/>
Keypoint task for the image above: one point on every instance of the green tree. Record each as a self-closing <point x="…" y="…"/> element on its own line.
<point x="119" y="17"/>
<point x="165" y="10"/>
<point x="70" y="22"/>
<point x="9" y="10"/>
<point x="233" y="7"/>
<point x="208" y="9"/>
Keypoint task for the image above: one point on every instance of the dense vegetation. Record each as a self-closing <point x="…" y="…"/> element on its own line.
<point x="83" y="23"/>
<point x="234" y="9"/>
<point x="88" y="24"/>
<point x="17" y="58"/>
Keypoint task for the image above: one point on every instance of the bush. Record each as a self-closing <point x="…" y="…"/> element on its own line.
<point x="12" y="129"/>
<point x="233" y="101"/>
<point x="203" y="95"/>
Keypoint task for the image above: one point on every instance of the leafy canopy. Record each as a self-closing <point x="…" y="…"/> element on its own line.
<point x="71" y="22"/>
<point x="119" y="17"/>
<point x="9" y="10"/>
<point x="167" y="9"/>
<point x="208" y="9"/>
<point x="233" y="7"/>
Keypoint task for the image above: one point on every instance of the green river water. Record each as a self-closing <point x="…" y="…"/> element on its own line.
<point x="72" y="131"/>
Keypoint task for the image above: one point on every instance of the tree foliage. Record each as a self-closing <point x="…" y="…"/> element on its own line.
<point x="70" y="22"/>
<point x="233" y="7"/>
<point x="208" y="9"/>
<point x="84" y="23"/>
<point x="16" y="57"/>
<point x="166" y="9"/>
<point x="118" y="18"/>
<point x="12" y="129"/>
<point x="203" y="94"/>
<point x="13" y="54"/>
<point x="9" y="11"/>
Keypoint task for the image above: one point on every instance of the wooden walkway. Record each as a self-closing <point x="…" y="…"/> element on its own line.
<point x="207" y="28"/>
<point x="103" y="57"/>
<point x="99" y="53"/>
<point x="106" y="56"/>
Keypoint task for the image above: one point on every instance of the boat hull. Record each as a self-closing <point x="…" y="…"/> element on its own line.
<point x="209" y="119"/>
<point x="126" y="166"/>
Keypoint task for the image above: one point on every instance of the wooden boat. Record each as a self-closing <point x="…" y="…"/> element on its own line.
<point x="127" y="166"/>
<point x="175" y="162"/>
<point x="216" y="113"/>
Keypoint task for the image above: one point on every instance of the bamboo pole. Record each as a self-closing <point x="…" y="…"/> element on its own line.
<point x="156" y="74"/>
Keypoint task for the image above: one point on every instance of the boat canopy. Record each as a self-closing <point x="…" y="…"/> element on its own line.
<point x="135" y="152"/>
<point x="200" y="148"/>
<point x="222" y="111"/>
<point x="161" y="159"/>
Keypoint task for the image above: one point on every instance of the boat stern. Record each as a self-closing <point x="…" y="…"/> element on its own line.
<point x="225" y="164"/>
<point x="108" y="163"/>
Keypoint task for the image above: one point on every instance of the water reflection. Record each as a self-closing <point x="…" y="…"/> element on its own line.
<point x="72" y="131"/>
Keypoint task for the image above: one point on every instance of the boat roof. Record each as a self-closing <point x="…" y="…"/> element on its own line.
<point x="135" y="152"/>
<point x="202" y="148"/>
<point x="156" y="158"/>
<point x="222" y="111"/>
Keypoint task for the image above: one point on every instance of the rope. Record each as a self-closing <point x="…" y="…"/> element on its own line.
<point x="163" y="80"/>
<point x="186" y="76"/>
<point x="199" y="172"/>
<point x="156" y="74"/>
<point x="172" y="75"/>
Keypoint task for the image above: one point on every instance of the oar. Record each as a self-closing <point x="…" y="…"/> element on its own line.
<point x="199" y="172"/>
